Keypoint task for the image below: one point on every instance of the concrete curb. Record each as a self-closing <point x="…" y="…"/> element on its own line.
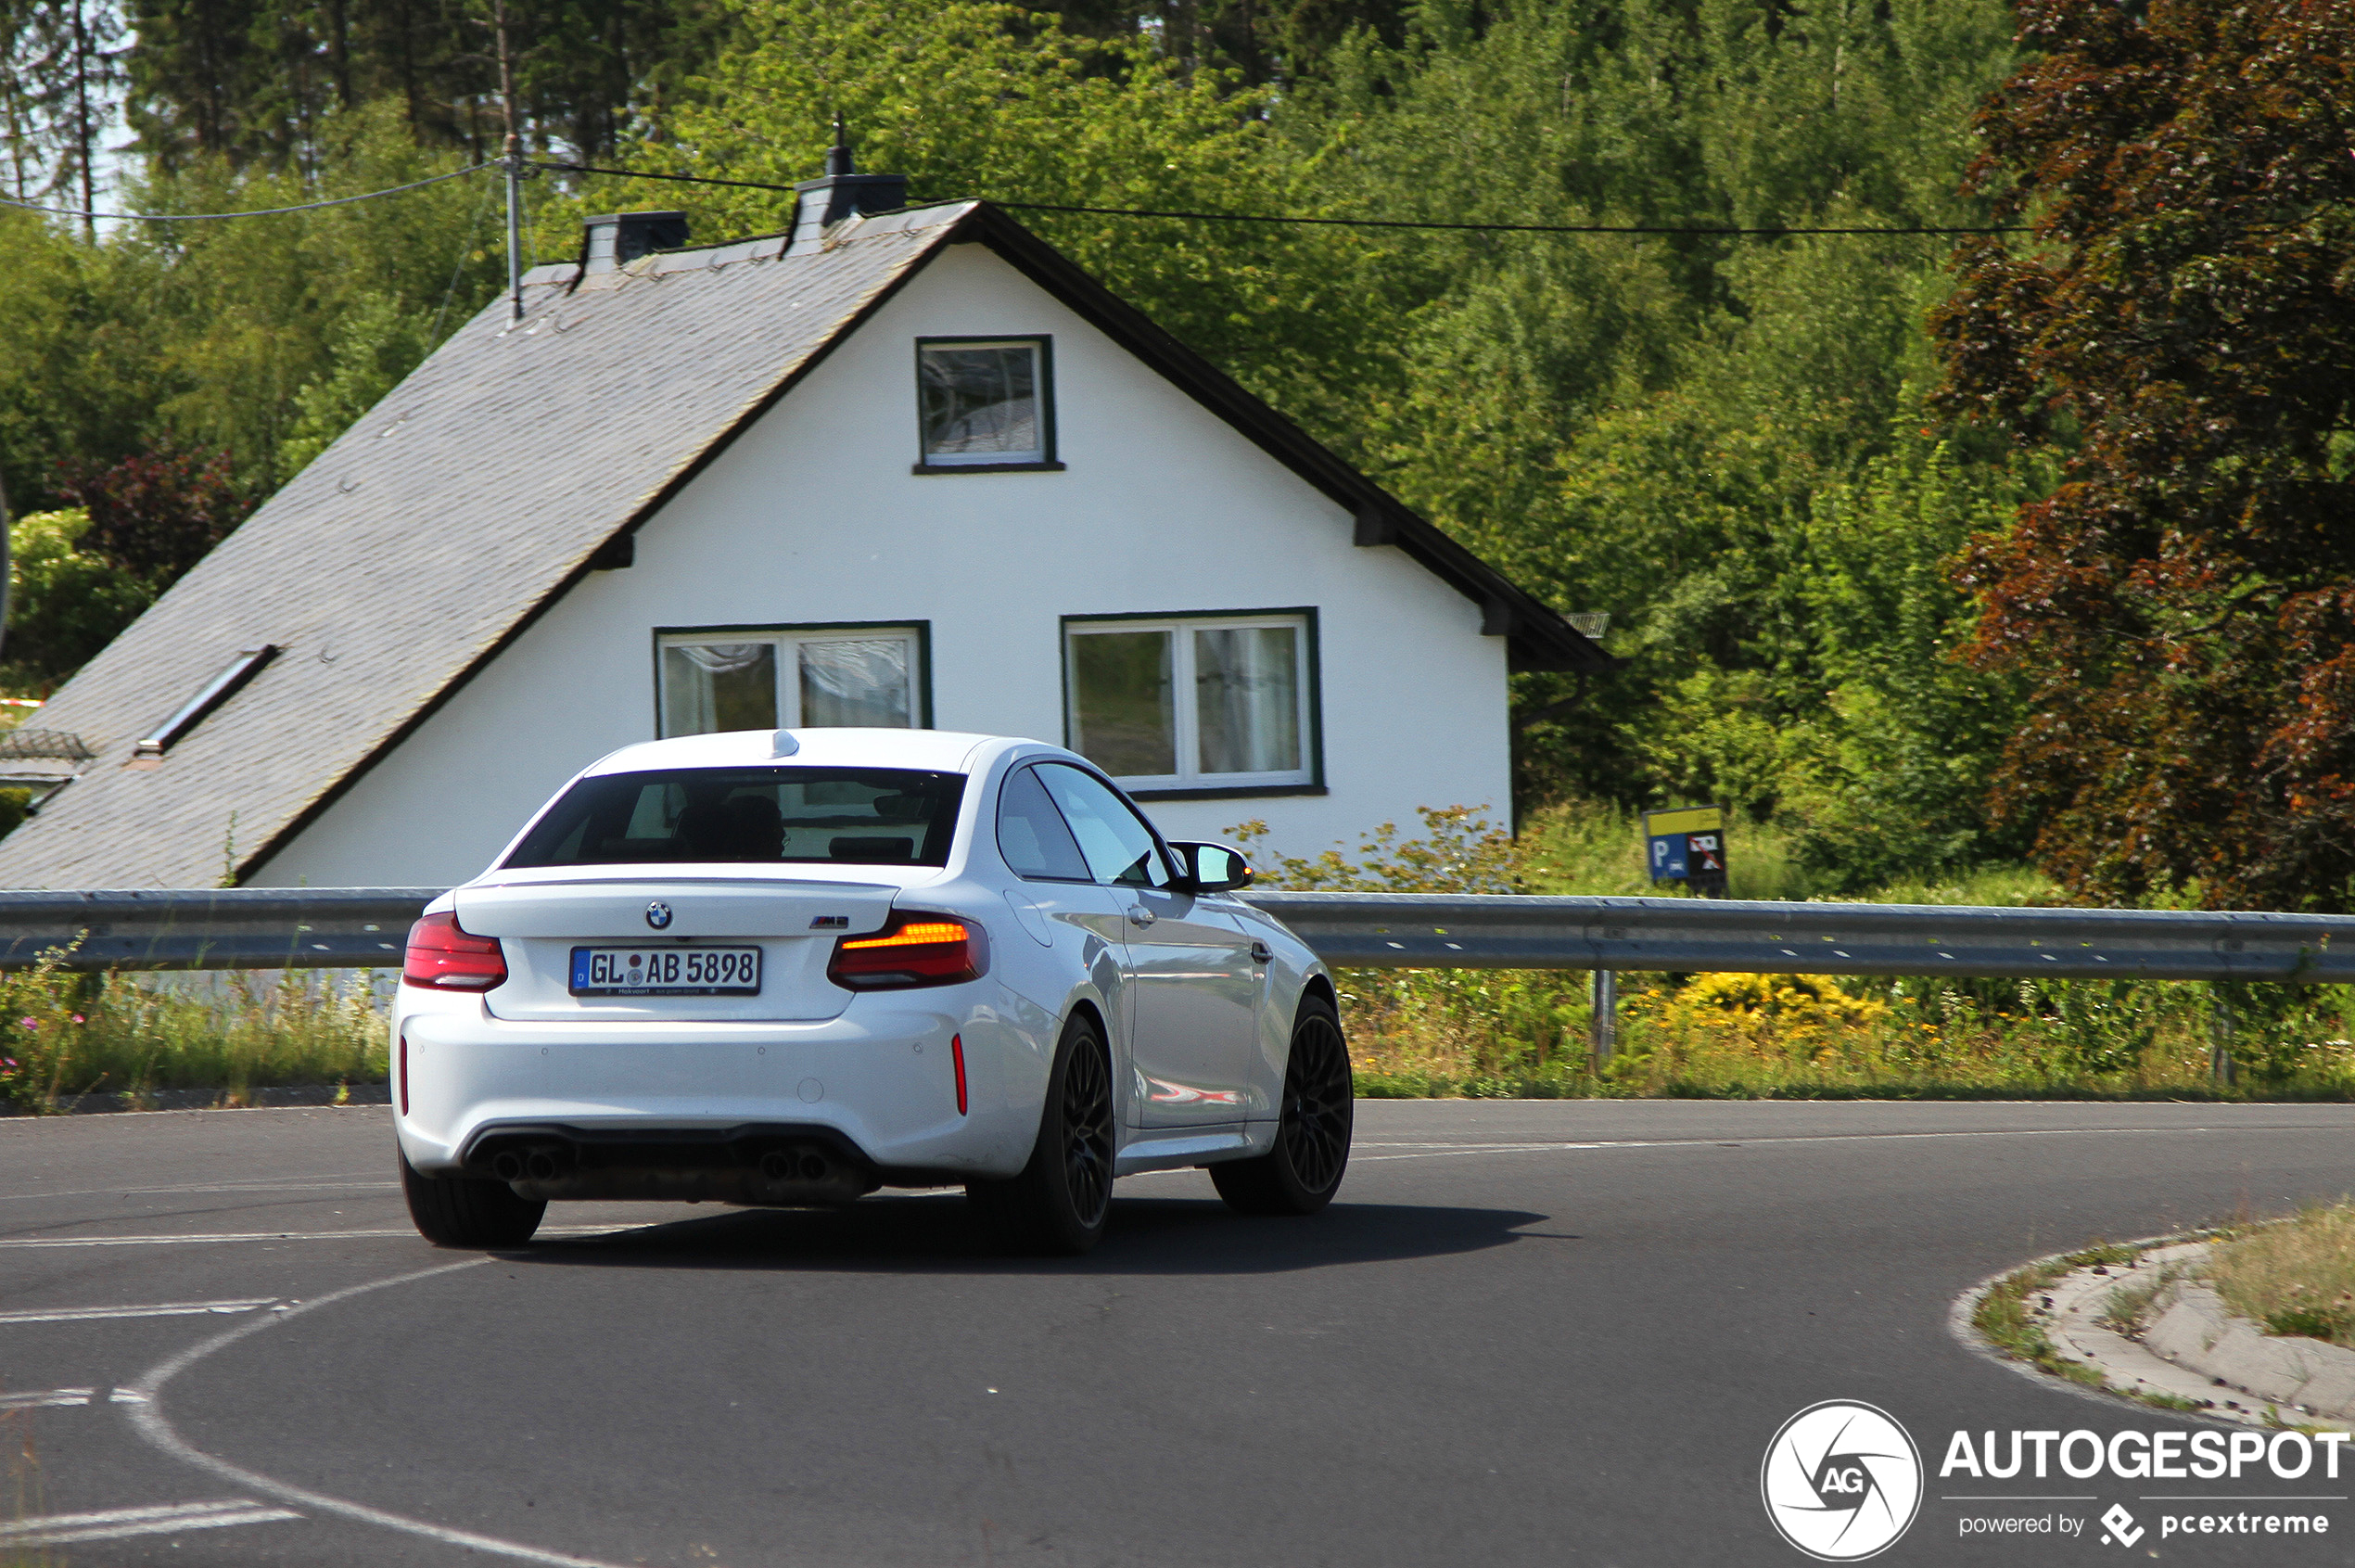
<point x="2193" y="1353"/>
<point x="2194" y="1329"/>
<point x="274" y="1098"/>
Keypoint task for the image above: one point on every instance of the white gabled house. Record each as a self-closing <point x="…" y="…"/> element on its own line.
<point x="897" y="468"/>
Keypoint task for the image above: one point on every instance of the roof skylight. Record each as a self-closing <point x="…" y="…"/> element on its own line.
<point x="150" y="748"/>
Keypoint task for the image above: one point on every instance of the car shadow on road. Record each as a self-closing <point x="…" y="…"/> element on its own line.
<point x="937" y="1233"/>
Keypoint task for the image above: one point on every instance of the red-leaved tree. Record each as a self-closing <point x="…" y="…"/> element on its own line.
<point x="155" y="514"/>
<point x="2184" y="319"/>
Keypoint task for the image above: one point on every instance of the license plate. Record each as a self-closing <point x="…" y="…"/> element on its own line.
<point x="666" y="970"/>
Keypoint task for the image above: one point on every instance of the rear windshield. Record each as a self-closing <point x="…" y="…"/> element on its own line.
<point x="860" y="816"/>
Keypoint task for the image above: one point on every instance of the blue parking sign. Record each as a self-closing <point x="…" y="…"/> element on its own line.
<point x="1668" y="857"/>
<point x="1686" y="844"/>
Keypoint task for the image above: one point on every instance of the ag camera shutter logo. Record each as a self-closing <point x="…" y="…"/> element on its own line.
<point x="1842" y="1481"/>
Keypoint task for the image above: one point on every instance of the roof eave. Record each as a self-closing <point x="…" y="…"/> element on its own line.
<point x="1538" y="636"/>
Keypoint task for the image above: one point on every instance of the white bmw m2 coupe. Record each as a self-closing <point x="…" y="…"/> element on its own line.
<point x="789" y="967"/>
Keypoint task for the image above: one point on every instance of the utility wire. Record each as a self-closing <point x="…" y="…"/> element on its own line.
<point x="644" y="174"/>
<point x="1498" y="228"/>
<point x="1337" y="222"/>
<point x="257" y="212"/>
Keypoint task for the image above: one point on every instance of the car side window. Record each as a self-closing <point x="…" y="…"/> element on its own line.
<point x="1119" y="847"/>
<point x="1031" y="835"/>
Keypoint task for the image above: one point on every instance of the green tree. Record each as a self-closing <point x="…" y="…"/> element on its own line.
<point x="59" y="72"/>
<point x="2180" y="606"/>
<point x="376" y="343"/>
<point x="248" y="82"/>
<point x="64" y="604"/>
<point x="971" y="99"/>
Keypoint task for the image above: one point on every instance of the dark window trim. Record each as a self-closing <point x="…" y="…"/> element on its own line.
<point x="923" y="629"/>
<point x="1312" y="624"/>
<point x="1226" y="792"/>
<point x="1048" y="462"/>
<point x="987" y="468"/>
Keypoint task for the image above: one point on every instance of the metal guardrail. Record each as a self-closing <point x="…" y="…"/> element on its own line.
<point x="358" y="928"/>
<point x="210" y="928"/>
<point x="1418" y="931"/>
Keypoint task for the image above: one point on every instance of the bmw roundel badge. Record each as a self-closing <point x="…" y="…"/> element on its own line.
<point x="659" y="914"/>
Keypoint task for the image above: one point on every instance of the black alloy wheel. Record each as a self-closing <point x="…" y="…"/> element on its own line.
<point x="1062" y="1199"/>
<point x="1303" y="1171"/>
<point x="1087" y="1128"/>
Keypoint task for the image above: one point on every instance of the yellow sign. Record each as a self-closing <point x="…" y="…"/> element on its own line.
<point x="1684" y="819"/>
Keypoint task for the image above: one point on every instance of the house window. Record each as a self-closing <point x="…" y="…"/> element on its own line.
<point x="770" y="678"/>
<point x="985" y="402"/>
<point x="1195" y="702"/>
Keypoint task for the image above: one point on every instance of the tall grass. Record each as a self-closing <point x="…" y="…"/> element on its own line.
<point x="64" y="1034"/>
<point x="2296" y="1277"/>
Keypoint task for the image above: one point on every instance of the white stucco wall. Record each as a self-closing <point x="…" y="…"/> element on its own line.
<point x="813" y="516"/>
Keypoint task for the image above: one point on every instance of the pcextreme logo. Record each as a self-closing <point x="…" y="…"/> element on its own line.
<point x="1841" y="1480"/>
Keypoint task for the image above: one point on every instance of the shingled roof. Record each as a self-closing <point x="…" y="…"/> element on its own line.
<point x="459" y="509"/>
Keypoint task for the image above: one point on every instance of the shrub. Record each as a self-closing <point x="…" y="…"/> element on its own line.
<point x="64" y="604"/>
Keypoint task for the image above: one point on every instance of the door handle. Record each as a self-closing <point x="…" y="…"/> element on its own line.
<point x="1261" y="952"/>
<point x="1141" y="915"/>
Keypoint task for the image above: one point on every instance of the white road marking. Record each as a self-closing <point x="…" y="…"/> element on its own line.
<point x="113" y="1524"/>
<point x="156" y="1309"/>
<point x="264" y="1236"/>
<point x="272" y="1184"/>
<point x="1441" y="1150"/>
<point x="148" y="1418"/>
<point x="44" y="1398"/>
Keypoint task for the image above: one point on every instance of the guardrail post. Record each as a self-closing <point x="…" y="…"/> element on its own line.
<point x="2221" y="1068"/>
<point x="1606" y="1024"/>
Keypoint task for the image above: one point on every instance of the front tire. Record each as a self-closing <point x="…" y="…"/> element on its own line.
<point x="1061" y="1200"/>
<point x="467" y="1211"/>
<point x="1301" y="1173"/>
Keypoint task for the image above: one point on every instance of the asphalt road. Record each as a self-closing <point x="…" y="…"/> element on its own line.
<point x="1529" y="1333"/>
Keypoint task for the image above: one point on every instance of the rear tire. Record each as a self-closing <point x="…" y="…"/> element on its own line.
<point x="1301" y="1173"/>
<point x="1061" y="1203"/>
<point x="467" y="1211"/>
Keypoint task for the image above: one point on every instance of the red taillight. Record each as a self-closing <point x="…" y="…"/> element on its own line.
<point x="914" y="949"/>
<point x="957" y="1055"/>
<point x="448" y="958"/>
<point x="402" y="1073"/>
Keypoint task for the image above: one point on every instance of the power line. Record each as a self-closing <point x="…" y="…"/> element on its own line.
<point x="1344" y="222"/>
<point x="256" y="212"/>
<point x="1501" y="228"/>
<point x="645" y="174"/>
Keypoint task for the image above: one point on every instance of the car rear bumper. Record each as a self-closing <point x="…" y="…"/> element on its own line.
<point x="874" y="1090"/>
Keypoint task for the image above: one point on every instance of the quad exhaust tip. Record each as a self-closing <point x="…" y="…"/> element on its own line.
<point x="528" y="1165"/>
<point x="786" y="1164"/>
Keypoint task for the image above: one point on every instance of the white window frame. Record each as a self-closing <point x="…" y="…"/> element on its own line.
<point x="788" y="642"/>
<point x="1186" y="708"/>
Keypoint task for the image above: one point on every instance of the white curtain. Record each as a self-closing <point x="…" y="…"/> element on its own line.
<point x="1247" y="699"/>
<point x="709" y="687"/>
<point x="857" y="681"/>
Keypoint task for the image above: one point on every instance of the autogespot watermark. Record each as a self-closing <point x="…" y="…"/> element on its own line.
<point x="1842" y="1481"/>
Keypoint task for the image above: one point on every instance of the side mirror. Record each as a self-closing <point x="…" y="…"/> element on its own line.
<point x="1211" y="867"/>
